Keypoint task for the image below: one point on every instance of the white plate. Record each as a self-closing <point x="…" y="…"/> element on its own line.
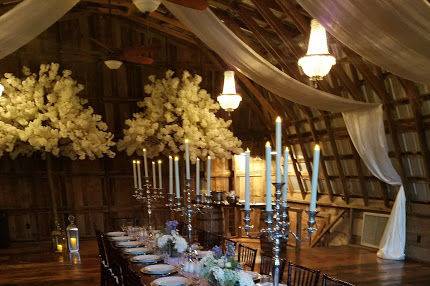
<point x="172" y="281"/>
<point x="115" y="233"/>
<point x="137" y="250"/>
<point x="158" y="269"/>
<point x="254" y="275"/>
<point x="121" y="238"/>
<point x="146" y="258"/>
<point x="128" y="244"/>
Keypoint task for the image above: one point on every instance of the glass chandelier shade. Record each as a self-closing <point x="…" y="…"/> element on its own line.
<point x="1" y="89"/>
<point x="229" y="100"/>
<point x="113" y="64"/>
<point x="318" y="61"/>
<point x="147" y="6"/>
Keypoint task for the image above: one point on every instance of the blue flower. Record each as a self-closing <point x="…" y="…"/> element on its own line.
<point x="217" y="251"/>
<point x="171" y="225"/>
<point x="230" y="251"/>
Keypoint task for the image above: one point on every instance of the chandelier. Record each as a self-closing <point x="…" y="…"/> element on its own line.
<point x="317" y="62"/>
<point x="229" y="99"/>
<point x="1" y="89"/>
<point x="147" y="6"/>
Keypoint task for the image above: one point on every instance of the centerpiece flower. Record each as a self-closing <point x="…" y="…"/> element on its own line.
<point x="171" y="242"/>
<point x="223" y="270"/>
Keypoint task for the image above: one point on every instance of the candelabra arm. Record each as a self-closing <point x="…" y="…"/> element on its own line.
<point x="311" y="223"/>
<point x="247" y="222"/>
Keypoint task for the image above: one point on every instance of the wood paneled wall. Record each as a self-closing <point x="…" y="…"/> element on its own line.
<point x="100" y="190"/>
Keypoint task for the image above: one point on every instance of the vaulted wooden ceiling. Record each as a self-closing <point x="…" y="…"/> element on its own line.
<point x="278" y="30"/>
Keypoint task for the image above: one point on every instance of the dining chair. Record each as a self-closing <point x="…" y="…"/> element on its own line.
<point x="113" y="262"/>
<point x="104" y="265"/>
<point x="247" y="256"/>
<point x="331" y="281"/>
<point x="266" y="266"/>
<point x="131" y="278"/>
<point x="302" y="276"/>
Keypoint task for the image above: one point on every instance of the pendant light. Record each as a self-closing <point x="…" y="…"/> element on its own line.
<point x="229" y="99"/>
<point x="112" y="62"/>
<point x="318" y="61"/>
<point x="1" y="89"/>
<point x="147" y="6"/>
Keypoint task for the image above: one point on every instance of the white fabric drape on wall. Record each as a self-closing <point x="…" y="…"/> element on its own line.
<point x="393" y="34"/>
<point x="374" y="152"/>
<point x="27" y="20"/>
<point x="209" y="29"/>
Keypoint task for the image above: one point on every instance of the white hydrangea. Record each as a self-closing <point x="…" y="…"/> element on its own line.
<point x="177" y="108"/>
<point x="42" y="112"/>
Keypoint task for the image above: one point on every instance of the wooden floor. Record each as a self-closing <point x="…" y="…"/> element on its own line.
<point x="29" y="264"/>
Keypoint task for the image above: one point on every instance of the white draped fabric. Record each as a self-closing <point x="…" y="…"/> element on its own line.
<point x="374" y="152"/>
<point x="393" y="34"/>
<point x="27" y="20"/>
<point x="209" y="29"/>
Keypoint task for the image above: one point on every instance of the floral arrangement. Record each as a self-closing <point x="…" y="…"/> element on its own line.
<point x="178" y="108"/>
<point x="43" y="112"/>
<point x="223" y="270"/>
<point x="171" y="242"/>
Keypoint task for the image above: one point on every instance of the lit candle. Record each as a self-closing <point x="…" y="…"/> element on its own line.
<point x="178" y="194"/>
<point x="170" y="175"/>
<point x="154" y="179"/>
<point x="208" y="174"/>
<point x="134" y="173"/>
<point x="285" y="186"/>
<point x="139" y="174"/>
<point x="315" y="168"/>
<point x="247" y="182"/>
<point x="197" y="176"/>
<point x="268" y="177"/>
<point x="145" y="163"/>
<point x="278" y="125"/>
<point x="59" y="248"/>
<point x="187" y="159"/>
<point x="160" y="176"/>
<point x="73" y="244"/>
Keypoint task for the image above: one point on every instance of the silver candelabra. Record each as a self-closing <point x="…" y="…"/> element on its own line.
<point x="278" y="228"/>
<point x="145" y="195"/>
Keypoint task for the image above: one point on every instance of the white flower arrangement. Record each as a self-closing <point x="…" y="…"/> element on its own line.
<point x="172" y="243"/>
<point x="178" y="108"/>
<point x="43" y="112"/>
<point x="223" y="270"/>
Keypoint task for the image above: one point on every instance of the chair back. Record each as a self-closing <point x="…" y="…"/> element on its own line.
<point x="101" y="247"/>
<point x="266" y="266"/>
<point x="131" y="278"/>
<point x="302" y="276"/>
<point x="247" y="256"/>
<point x="331" y="281"/>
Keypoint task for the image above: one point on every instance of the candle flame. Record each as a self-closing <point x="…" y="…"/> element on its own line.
<point x="247" y="150"/>
<point x="317" y="147"/>
<point x="278" y="119"/>
<point x="170" y="157"/>
<point x="159" y="161"/>
<point x="186" y="141"/>
<point x="137" y="162"/>
<point x="153" y="163"/>
<point x="176" y="158"/>
<point x="209" y="157"/>
<point x="287" y="149"/>
<point x="197" y="159"/>
<point x="267" y="144"/>
<point x="144" y="150"/>
<point x="134" y="161"/>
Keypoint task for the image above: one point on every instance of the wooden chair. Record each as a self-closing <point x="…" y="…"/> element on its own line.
<point x="247" y="256"/>
<point x="131" y="278"/>
<point x="104" y="264"/>
<point x="114" y="263"/>
<point x="266" y="266"/>
<point x="331" y="281"/>
<point x="302" y="276"/>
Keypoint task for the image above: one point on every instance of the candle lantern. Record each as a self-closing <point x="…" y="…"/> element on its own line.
<point x="72" y="235"/>
<point x="58" y="239"/>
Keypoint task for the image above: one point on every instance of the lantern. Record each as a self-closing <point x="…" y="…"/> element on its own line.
<point x="229" y="99"/>
<point x="72" y="235"/>
<point x="58" y="239"/>
<point x="318" y="61"/>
